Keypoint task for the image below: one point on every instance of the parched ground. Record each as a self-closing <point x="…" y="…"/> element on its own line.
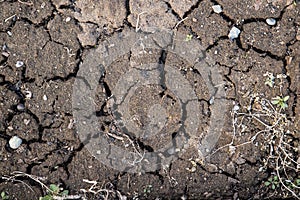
<point x="257" y="154"/>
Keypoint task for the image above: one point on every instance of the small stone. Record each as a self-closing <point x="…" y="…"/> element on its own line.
<point x="217" y="9"/>
<point x="26" y="121"/>
<point x="233" y="180"/>
<point x="4" y="47"/>
<point x="28" y="94"/>
<point x="271" y="21"/>
<point x="20" y="107"/>
<point x="15" y="142"/>
<point x="43" y="5"/>
<point x="68" y="19"/>
<point x="171" y="151"/>
<point x="5" y="54"/>
<point x="234" y="33"/>
<point x="211" y="168"/>
<point x="45" y="98"/>
<point x="240" y="161"/>
<point x="9" y="33"/>
<point x="211" y="100"/>
<point x="194" y="20"/>
<point x="236" y="108"/>
<point x="19" y="64"/>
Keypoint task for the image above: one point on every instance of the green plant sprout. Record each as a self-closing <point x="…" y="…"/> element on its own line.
<point x="148" y="189"/>
<point x="54" y="190"/>
<point x="270" y="79"/>
<point x="273" y="182"/>
<point x="293" y="184"/>
<point x="281" y="101"/>
<point x="295" y="2"/>
<point x="4" y="196"/>
<point x="188" y="37"/>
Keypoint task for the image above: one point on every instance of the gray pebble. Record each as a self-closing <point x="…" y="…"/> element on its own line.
<point x="217" y="9"/>
<point x="15" y="142"/>
<point x="20" y="107"/>
<point x="234" y="33"/>
<point x="236" y="108"/>
<point x="171" y="151"/>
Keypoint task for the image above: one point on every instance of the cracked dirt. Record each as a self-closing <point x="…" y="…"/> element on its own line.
<point x="53" y="39"/>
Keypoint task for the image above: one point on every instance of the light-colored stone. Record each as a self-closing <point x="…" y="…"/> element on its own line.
<point x="15" y="142"/>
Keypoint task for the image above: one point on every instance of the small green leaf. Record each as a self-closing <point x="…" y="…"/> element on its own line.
<point x="270" y="180"/>
<point x="65" y="193"/>
<point x="275" y="102"/>
<point x="4" y="196"/>
<point x="54" y="188"/>
<point x="298" y="182"/>
<point x="273" y="187"/>
<point x="275" y="178"/>
<point x="286" y="98"/>
<point x="267" y="183"/>
<point x="283" y="105"/>
<point x="47" y="197"/>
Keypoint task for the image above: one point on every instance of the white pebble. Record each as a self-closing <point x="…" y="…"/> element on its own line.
<point x="26" y="121"/>
<point x="19" y="64"/>
<point x="217" y="8"/>
<point x="234" y="33"/>
<point x="20" y="107"/>
<point x="211" y="100"/>
<point x="271" y="21"/>
<point x="9" y="33"/>
<point x="45" y="98"/>
<point x="28" y="94"/>
<point x="68" y="19"/>
<point x="43" y="5"/>
<point x="15" y="142"/>
<point x="236" y="108"/>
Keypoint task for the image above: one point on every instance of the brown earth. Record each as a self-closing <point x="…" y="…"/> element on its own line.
<point x="53" y="39"/>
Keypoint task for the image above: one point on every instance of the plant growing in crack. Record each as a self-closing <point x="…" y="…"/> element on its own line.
<point x="270" y="81"/>
<point x="53" y="191"/>
<point x="4" y="196"/>
<point x="273" y="182"/>
<point x="147" y="190"/>
<point x="281" y="101"/>
<point x="188" y="37"/>
<point x="293" y="184"/>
